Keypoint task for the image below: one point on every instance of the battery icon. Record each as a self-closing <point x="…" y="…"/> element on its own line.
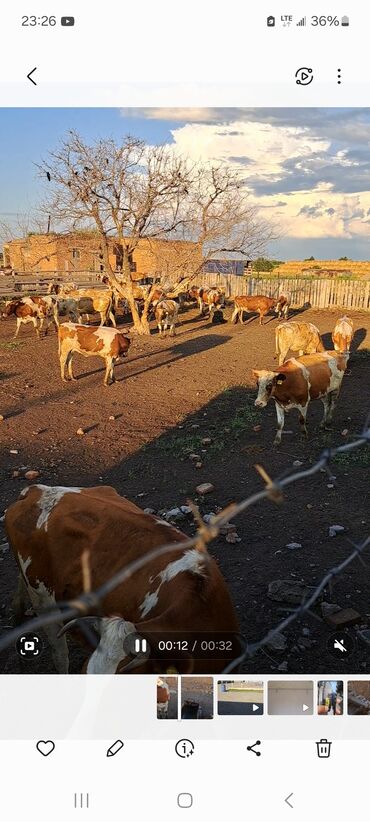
<point x="345" y="20"/>
<point x="67" y="21"/>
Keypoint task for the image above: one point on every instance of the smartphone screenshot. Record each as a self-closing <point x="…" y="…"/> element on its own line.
<point x="184" y="411"/>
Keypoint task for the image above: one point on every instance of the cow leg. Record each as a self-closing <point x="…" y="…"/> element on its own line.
<point x="69" y="366"/>
<point x="172" y="329"/>
<point x="201" y="306"/>
<point x="42" y="600"/>
<point x="18" y="325"/>
<point x="280" y="421"/>
<point x="328" y="402"/>
<point x="212" y="308"/>
<point x="63" y="357"/>
<point x="160" y="328"/>
<point x="302" y="419"/>
<point x="109" y="371"/>
<point x="165" y="325"/>
<point x="235" y="315"/>
<point x="112" y="319"/>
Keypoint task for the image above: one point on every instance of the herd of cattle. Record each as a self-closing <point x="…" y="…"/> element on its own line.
<point x="51" y="528"/>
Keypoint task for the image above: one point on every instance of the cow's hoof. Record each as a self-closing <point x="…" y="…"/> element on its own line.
<point x="277" y="441"/>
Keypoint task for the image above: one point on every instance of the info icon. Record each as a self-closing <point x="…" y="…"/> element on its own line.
<point x="29" y="646"/>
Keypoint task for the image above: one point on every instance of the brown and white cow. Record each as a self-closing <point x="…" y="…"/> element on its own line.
<point x="297" y="336"/>
<point x="182" y="591"/>
<point x="259" y="304"/>
<point x="33" y="310"/>
<point x="342" y="335"/>
<point x="87" y="301"/>
<point x="283" y="305"/>
<point x="163" y="698"/>
<point x="166" y="312"/>
<point x="297" y="382"/>
<point x="207" y="296"/>
<point x="107" y="343"/>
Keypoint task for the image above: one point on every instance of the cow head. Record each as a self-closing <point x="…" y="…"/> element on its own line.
<point x="10" y="307"/>
<point x="267" y="381"/>
<point x="107" y="635"/>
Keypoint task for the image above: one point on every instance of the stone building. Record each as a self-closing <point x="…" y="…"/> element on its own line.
<point x="82" y="252"/>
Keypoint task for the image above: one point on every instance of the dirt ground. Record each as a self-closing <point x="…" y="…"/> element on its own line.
<point x="171" y="394"/>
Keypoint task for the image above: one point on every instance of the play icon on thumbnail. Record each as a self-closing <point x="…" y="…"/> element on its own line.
<point x="290" y="698"/>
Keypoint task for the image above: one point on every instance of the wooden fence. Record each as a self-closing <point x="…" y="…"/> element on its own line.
<point x="319" y="293"/>
<point x="353" y="295"/>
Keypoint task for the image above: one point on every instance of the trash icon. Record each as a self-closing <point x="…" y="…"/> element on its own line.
<point x="323" y="749"/>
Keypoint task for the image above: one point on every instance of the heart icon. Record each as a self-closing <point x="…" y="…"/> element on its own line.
<point x="45" y="747"/>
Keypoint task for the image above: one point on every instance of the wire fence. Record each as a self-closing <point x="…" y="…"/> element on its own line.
<point x="89" y="603"/>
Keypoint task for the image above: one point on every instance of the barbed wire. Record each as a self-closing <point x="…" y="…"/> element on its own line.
<point x="89" y="602"/>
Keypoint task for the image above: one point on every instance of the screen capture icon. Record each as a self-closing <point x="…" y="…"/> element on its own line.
<point x="29" y="646"/>
<point x="304" y="76"/>
<point x="270" y="21"/>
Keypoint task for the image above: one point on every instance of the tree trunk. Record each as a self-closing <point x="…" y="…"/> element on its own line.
<point x="141" y="324"/>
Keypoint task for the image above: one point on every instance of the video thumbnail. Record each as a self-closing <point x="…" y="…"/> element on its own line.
<point x="196" y="697"/>
<point x="330" y="698"/>
<point x="184" y="362"/>
<point x="358" y="698"/>
<point x="237" y="697"/>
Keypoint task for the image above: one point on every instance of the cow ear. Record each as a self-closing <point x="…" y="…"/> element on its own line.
<point x="255" y="373"/>
<point x="279" y="379"/>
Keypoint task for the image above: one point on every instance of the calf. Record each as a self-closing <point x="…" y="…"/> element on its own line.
<point x="297" y="382"/>
<point x="342" y="335"/>
<point x="283" y="305"/>
<point x="297" y="336"/>
<point x="32" y="310"/>
<point x="183" y="592"/>
<point x="89" y="301"/>
<point x="166" y="312"/>
<point x="212" y="297"/>
<point x="259" y="304"/>
<point x="107" y="343"/>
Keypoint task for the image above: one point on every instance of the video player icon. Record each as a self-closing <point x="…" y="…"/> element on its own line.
<point x="304" y="76"/>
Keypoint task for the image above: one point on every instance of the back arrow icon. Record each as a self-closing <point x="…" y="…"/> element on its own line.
<point x="31" y="78"/>
<point x="287" y="800"/>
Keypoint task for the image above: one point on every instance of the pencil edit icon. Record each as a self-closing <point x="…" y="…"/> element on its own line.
<point x="115" y="748"/>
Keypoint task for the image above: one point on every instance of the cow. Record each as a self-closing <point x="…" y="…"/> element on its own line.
<point x="296" y="336"/>
<point x="51" y="530"/>
<point x="166" y="312"/>
<point x="342" y="335"/>
<point x="297" y="382"/>
<point x="212" y="297"/>
<point x="107" y="343"/>
<point x="88" y="301"/>
<point x="31" y="309"/>
<point x="283" y="305"/>
<point x="259" y="304"/>
<point x="163" y="698"/>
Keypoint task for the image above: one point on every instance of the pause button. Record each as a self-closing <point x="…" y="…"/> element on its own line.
<point x="141" y="645"/>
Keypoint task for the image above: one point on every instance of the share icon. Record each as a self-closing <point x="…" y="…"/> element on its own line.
<point x="252" y="747"/>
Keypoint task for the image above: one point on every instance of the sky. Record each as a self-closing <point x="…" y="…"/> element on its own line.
<point x="306" y="169"/>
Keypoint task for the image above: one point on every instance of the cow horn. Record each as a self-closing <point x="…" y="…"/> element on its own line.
<point x="89" y="621"/>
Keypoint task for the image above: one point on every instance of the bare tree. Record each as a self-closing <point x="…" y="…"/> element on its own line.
<point x="131" y="192"/>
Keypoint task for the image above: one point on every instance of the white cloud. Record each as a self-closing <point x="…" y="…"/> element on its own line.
<point x="295" y="158"/>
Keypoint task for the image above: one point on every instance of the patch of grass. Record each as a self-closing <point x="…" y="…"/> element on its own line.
<point x="12" y="344"/>
<point x="185" y="443"/>
<point x="360" y="458"/>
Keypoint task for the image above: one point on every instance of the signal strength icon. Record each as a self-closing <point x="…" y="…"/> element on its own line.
<point x="302" y="22"/>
